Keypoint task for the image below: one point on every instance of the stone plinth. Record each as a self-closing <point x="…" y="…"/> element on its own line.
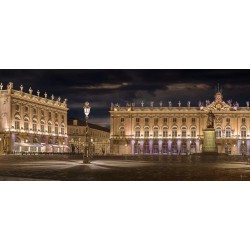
<point x="209" y="145"/>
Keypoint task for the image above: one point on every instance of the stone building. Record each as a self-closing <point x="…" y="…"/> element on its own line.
<point x="31" y="123"/>
<point x="99" y="137"/>
<point x="159" y="129"/>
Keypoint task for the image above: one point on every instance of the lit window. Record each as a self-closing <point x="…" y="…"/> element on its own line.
<point x="228" y="132"/>
<point x="174" y="132"/>
<point x="243" y="132"/>
<point x="218" y="132"/>
<point x="155" y="132"/>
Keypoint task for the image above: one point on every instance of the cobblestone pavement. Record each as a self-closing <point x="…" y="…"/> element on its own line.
<point x="171" y="168"/>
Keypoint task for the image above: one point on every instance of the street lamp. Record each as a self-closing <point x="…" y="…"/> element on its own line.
<point x="86" y="108"/>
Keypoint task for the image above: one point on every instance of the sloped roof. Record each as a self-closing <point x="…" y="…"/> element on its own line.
<point x="91" y="125"/>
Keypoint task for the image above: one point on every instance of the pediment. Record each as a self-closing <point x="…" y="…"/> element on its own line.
<point x="217" y="106"/>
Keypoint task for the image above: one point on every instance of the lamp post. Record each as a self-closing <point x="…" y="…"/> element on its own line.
<point x="86" y="108"/>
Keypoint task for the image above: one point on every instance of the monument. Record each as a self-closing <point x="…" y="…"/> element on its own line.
<point x="209" y="144"/>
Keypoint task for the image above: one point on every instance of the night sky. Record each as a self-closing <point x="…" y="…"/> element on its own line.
<point x="101" y="87"/>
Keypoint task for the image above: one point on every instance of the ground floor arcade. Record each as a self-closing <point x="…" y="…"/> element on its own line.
<point x="32" y="143"/>
<point x="177" y="146"/>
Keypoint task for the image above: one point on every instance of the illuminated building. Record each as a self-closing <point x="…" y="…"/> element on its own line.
<point x="99" y="137"/>
<point x="159" y="129"/>
<point x="31" y="123"/>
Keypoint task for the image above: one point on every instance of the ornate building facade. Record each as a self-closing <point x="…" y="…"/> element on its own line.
<point x="31" y="123"/>
<point x="99" y="137"/>
<point x="179" y="130"/>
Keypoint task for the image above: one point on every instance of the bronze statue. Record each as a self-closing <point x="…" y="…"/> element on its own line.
<point x="210" y="119"/>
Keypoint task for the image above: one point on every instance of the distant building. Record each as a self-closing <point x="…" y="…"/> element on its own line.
<point x="31" y="123"/>
<point x="159" y="129"/>
<point x="99" y="137"/>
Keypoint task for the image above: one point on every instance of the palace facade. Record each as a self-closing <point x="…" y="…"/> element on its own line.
<point x="98" y="137"/>
<point x="179" y="130"/>
<point x="31" y="123"/>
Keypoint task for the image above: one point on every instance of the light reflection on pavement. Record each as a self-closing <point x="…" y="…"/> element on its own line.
<point x="173" y="168"/>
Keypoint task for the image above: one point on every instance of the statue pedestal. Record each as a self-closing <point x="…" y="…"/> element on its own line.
<point x="209" y="145"/>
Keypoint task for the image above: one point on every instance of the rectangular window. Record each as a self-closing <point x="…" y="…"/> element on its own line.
<point x="137" y="119"/>
<point x="243" y="133"/>
<point x="243" y="120"/>
<point x="56" y="130"/>
<point x="49" y="129"/>
<point x="155" y="120"/>
<point x="137" y="133"/>
<point x="42" y="128"/>
<point x="165" y="133"/>
<point x="193" y="120"/>
<point x="63" y="118"/>
<point x="17" y="125"/>
<point x="42" y="113"/>
<point x="49" y="115"/>
<point x="156" y="133"/>
<point x="146" y="133"/>
<point x="122" y="119"/>
<point x="146" y="120"/>
<point x="17" y="107"/>
<point x="174" y="133"/>
<point x="193" y="133"/>
<point x="228" y="120"/>
<point x="34" y="111"/>
<point x="26" y="126"/>
<point x="34" y="127"/>
<point x="174" y="120"/>
<point x="62" y="131"/>
<point x="183" y="120"/>
<point x="165" y="120"/>
<point x="183" y="133"/>
<point x="26" y="109"/>
<point x="56" y="115"/>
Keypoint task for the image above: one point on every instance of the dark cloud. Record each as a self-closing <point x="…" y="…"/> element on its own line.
<point x="101" y="87"/>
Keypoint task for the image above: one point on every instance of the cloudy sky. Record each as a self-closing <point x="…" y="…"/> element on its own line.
<point x="101" y="87"/>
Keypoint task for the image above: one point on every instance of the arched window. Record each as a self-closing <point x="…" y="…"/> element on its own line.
<point x="146" y="132"/>
<point x="165" y="147"/>
<point x="56" y="128"/>
<point x="42" y="125"/>
<point x="122" y="131"/>
<point x="137" y="131"/>
<point x="156" y="132"/>
<point x="193" y="132"/>
<point x="228" y="132"/>
<point x="146" y="147"/>
<point x="174" y="147"/>
<point x="193" y="147"/>
<point x="26" y="123"/>
<point x="17" y="140"/>
<point x="184" y="147"/>
<point x="183" y="131"/>
<point x="174" y="131"/>
<point x="243" y="132"/>
<point x="155" y="148"/>
<point x="34" y="126"/>
<point x="218" y="132"/>
<point x="17" y="122"/>
<point x="165" y="132"/>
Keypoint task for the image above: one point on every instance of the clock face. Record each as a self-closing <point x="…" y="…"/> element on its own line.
<point x="218" y="106"/>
